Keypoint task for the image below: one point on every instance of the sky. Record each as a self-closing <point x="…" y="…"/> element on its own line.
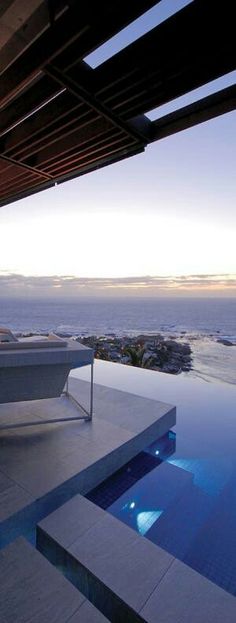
<point x="160" y="223"/>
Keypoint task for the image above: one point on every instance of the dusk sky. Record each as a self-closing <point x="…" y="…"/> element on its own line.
<point x="167" y="214"/>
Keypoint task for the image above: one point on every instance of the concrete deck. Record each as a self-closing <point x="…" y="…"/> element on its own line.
<point x="33" y="590"/>
<point x="43" y="472"/>
<point x="37" y="460"/>
<point x="43" y="466"/>
<point x="129" y="578"/>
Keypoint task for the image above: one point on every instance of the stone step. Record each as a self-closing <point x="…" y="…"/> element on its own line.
<point x="126" y="576"/>
<point x="32" y="590"/>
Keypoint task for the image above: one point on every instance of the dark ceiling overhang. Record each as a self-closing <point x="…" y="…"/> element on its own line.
<point x="60" y="119"/>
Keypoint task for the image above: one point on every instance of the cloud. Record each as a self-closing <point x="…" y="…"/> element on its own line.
<point x="13" y="284"/>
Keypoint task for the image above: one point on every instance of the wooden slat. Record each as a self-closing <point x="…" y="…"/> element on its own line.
<point x="75" y="119"/>
<point x="77" y="21"/>
<point x="58" y="148"/>
<point x="87" y="155"/>
<point x="27" y="103"/>
<point x="19" y="166"/>
<point x="72" y="154"/>
<point x="97" y="164"/>
<point x="88" y="98"/>
<point x="101" y="161"/>
<point x="63" y="126"/>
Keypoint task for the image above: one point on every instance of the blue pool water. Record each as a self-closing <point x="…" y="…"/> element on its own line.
<point x="181" y="491"/>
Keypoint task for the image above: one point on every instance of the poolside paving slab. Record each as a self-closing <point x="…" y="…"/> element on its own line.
<point x="32" y="590"/>
<point x="88" y="614"/>
<point x="41" y="458"/>
<point x="12" y="497"/>
<point x="184" y="595"/>
<point x="125" y="575"/>
<point x="43" y="466"/>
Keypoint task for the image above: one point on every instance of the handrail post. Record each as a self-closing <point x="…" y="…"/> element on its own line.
<point x="91" y="393"/>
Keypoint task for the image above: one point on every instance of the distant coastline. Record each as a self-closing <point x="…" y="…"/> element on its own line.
<point x="207" y="357"/>
<point x="152" y="352"/>
<point x="144" y="351"/>
<point x="208" y="327"/>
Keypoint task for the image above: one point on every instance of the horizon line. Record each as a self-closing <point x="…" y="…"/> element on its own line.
<point x="209" y="283"/>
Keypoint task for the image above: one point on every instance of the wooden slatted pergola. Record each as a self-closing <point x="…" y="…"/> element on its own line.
<point x="59" y="118"/>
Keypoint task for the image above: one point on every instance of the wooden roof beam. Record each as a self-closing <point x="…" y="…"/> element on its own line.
<point x="47" y="121"/>
<point x="23" y="166"/>
<point x="111" y="17"/>
<point x="57" y="147"/>
<point x="203" y="110"/>
<point x="29" y="102"/>
<point x="194" y="46"/>
<point x="83" y="95"/>
<point x="102" y="162"/>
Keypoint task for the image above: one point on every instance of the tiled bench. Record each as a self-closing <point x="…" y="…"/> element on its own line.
<point x="32" y="590"/>
<point x="129" y="578"/>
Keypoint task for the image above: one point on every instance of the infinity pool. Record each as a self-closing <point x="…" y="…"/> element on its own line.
<point x="181" y="491"/>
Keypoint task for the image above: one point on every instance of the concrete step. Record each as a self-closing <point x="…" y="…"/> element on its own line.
<point x="126" y="576"/>
<point x="32" y="590"/>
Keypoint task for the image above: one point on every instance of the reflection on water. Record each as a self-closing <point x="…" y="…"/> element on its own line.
<point x="213" y="361"/>
<point x="186" y="506"/>
<point x="181" y="492"/>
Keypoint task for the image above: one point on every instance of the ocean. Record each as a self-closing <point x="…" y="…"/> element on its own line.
<point x="199" y="320"/>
